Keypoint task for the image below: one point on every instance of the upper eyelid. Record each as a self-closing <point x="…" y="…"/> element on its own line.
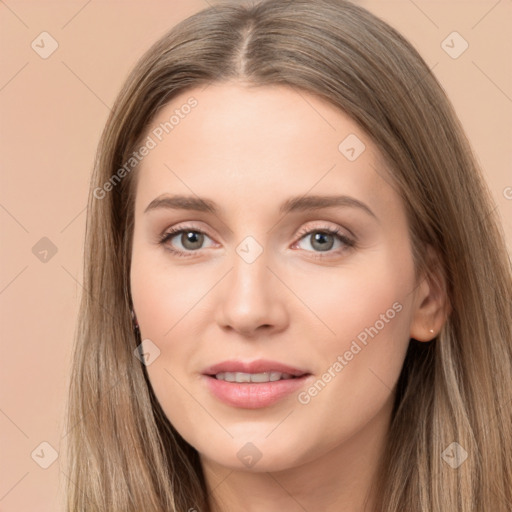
<point x="177" y="230"/>
<point x="332" y="226"/>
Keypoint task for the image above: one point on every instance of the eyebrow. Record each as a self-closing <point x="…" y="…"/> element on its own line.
<point x="293" y="204"/>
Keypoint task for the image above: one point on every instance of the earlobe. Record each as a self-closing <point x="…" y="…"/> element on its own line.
<point x="135" y="324"/>
<point x="431" y="305"/>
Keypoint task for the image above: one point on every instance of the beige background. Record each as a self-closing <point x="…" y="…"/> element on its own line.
<point x="52" y="114"/>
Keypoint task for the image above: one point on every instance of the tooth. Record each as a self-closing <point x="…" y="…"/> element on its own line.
<point x="259" y="377"/>
<point x="242" y="377"/>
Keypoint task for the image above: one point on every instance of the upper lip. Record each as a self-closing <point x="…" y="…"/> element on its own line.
<point x="257" y="366"/>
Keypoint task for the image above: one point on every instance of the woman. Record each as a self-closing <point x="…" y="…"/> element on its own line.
<point x="298" y="293"/>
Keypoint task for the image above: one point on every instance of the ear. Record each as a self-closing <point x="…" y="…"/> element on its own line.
<point x="430" y="305"/>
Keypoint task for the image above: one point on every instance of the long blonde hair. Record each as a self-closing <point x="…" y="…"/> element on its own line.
<point x="123" y="453"/>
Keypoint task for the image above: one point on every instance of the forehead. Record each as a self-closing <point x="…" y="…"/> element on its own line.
<point x="261" y="144"/>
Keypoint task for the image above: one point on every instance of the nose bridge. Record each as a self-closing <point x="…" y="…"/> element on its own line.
<point x="250" y="274"/>
<point x="251" y="296"/>
<point x="250" y="278"/>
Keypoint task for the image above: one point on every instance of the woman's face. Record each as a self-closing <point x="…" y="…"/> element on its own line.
<point x="259" y="283"/>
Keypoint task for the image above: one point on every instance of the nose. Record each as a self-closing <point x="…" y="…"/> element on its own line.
<point x="252" y="299"/>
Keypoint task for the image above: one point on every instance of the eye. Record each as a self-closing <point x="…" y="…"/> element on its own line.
<point x="190" y="238"/>
<point x="323" y="240"/>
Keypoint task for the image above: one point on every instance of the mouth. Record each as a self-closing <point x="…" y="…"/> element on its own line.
<point x="255" y="384"/>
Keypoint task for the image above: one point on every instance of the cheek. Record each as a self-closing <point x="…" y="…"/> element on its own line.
<point x="368" y="313"/>
<point x="368" y="294"/>
<point x="157" y="299"/>
<point x="365" y="315"/>
<point x="162" y="295"/>
<point x="164" y="300"/>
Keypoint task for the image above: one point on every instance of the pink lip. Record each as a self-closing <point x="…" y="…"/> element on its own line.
<point x="253" y="395"/>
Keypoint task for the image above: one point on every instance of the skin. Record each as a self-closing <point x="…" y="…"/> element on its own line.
<point x="250" y="149"/>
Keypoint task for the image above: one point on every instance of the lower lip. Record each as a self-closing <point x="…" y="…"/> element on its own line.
<point x="252" y="395"/>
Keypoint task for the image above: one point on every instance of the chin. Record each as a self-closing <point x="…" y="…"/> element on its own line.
<point x="255" y="456"/>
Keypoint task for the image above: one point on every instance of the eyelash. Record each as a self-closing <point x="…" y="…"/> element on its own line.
<point x="168" y="235"/>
